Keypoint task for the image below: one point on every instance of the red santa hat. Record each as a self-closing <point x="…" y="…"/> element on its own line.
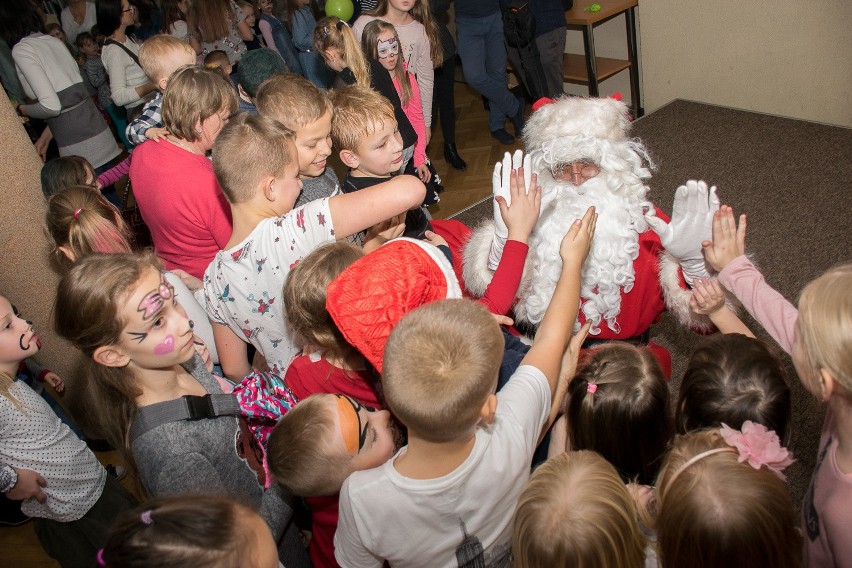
<point x="368" y="298"/>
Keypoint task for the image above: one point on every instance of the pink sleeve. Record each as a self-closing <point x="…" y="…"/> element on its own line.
<point x="764" y="303"/>
<point x="414" y="112"/>
<point x="500" y="293"/>
<point x="115" y="173"/>
<point x="266" y="32"/>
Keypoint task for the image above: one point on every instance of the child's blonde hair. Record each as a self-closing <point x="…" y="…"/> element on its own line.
<point x="576" y="511"/>
<point x="181" y="530"/>
<point x="717" y="511"/>
<point x="301" y="449"/>
<point x="155" y="52"/>
<point x="421" y="12"/>
<point x="82" y="221"/>
<point x="250" y="148"/>
<point x="88" y="301"/>
<point x="358" y="112"/>
<point x="305" y="296"/>
<point x="217" y="59"/>
<point x="370" y="43"/>
<point x="292" y="100"/>
<point x="332" y="32"/>
<point x="824" y="327"/>
<point x="448" y="353"/>
<point x="618" y="405"/>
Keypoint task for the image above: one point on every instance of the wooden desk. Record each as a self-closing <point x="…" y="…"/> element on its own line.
<point x="591" y="70"/>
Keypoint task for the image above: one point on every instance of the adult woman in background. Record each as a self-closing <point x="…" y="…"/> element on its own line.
<point x="173" y="181"/>
<point x="78" y="16"/>
<point x="220" y="25"/>
<point x="128" y="84"/>
<point x="50" y="76"/>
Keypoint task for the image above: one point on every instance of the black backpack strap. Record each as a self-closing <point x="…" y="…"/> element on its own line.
<point x="188" y="407"/>
<point x="132" y="55"/>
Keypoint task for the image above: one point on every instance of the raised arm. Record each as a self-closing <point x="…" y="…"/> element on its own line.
<point x="554" y="332"/>
<point x="353" y="212"/>
<point x="708" y="299"/>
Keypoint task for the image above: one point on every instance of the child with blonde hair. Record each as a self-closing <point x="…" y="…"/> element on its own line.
<point x="819" y="338"/>
<point x="723" y="501"/>
<point x="159" y="56"/>
<point x="189" y="530"/>
<point x="576" y="511"/>
<point x="618" y="405"/>
<point x="300" y="106"/>
<point x="341" y="50"/>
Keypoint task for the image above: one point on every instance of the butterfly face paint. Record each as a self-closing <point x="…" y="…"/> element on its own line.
<point x="154" y="300"/>
<point x="387" y="48"/>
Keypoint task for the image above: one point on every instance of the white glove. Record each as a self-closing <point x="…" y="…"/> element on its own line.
<point x="691" y="224"/>
<point x="500" y="187"/>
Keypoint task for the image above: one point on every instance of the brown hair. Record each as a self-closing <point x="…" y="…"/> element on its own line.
<point x="370" y="44"/>
<point x="627" y="418"/>
<point x="720" y="512"/>
<point x="421" y="12"/>
<point x="171" y="15"/>
<point x="191" y="531"/>
<point x="576" y="511"/>
<point x="447" y="352"/>
<point x="193" y="95"/>
<point x="292" y="100"/>
<point x="824" y="327"/>
<point x="358" y="112"/>
<point x="64" y="172"/>
<point x="82" y="221"/>
<point x="332" y="32"/>
<point x="305" y="296"/>
<point x="250" y="148"/>
<point x="299" y="449"/>
<point x="732" y="378"/>
<point x="88" y="300"/>
<point x="155" y="51"/>
<point x="212" y="19"/>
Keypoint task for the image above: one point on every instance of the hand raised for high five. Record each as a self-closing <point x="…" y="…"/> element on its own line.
<point x="728" y="239"/>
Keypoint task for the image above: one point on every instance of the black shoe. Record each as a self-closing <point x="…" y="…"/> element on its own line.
<point x="502" y="136"/>
<point x="518" y="119"/>
<point x="451" y="154"/>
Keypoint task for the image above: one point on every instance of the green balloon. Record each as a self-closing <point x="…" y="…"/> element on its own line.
<point x="343" y="9"/>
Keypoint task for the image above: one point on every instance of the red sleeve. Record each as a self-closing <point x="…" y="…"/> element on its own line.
<point x="500" y="294"/>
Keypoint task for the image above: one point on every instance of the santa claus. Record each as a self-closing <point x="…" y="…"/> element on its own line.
<point x="639" y="263"/>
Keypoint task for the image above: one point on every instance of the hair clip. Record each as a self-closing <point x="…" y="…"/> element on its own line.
<point x="592" y="388"/>
<point x="145" y="517"/>
<point x="324" y="33"/>
<point x="339" y="25"/>
<point x="100" y="557"/>
<point x="758" y="446"/>
<point x="77" y="212"/>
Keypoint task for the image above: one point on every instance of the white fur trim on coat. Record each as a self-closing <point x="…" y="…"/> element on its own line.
<point x="677" y="297"/>
<point x="475" y="270"/>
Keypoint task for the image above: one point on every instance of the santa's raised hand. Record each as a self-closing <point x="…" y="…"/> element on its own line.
<point x="691" y="225"/>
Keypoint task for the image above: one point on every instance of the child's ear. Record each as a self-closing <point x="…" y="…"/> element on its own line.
<point x="827" y="384"/>
<point x="488" y="410"/>
<point x="268" y="189"/>
<point x="110" y="356"/>
<point x="67" y="253"/>
<point x="349" y="159"/>
<point x="161" y="84"/>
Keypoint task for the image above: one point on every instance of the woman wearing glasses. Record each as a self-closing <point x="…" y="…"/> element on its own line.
<point x="120" y="55"/>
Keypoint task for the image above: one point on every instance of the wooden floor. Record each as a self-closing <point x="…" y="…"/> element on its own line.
<point x="19" y="546"/>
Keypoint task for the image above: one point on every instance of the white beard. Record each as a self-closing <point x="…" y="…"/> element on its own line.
<point x="609" y="267"/>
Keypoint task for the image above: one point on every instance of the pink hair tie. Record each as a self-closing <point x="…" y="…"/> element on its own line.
<point x="77" y="212"/>
<point x="145" y="517"/>
<point x="592" y="388"/>
<point x="100" y="557"/>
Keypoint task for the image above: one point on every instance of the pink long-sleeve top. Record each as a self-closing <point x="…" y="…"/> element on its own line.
<point x="414" y="111"/>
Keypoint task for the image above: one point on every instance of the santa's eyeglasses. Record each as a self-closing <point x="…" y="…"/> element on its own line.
<point x="575" y="172"/>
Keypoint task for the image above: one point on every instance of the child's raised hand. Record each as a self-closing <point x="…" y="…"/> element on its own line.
<point x="188" y="279"/>
<point x="423" y="173"/>
<point x="707" y="296"/>
<point x="576" y="243"/>
<point x="501" y="185"/>
<point x="435" y="239"/>
<point x="55" y="381"/>
<point x="522" y="214"/>
<point x="156" y="133"/>
<point x="728" y="239"/>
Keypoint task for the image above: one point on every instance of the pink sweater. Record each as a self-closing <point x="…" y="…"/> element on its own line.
<point x="414" y="111"/>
